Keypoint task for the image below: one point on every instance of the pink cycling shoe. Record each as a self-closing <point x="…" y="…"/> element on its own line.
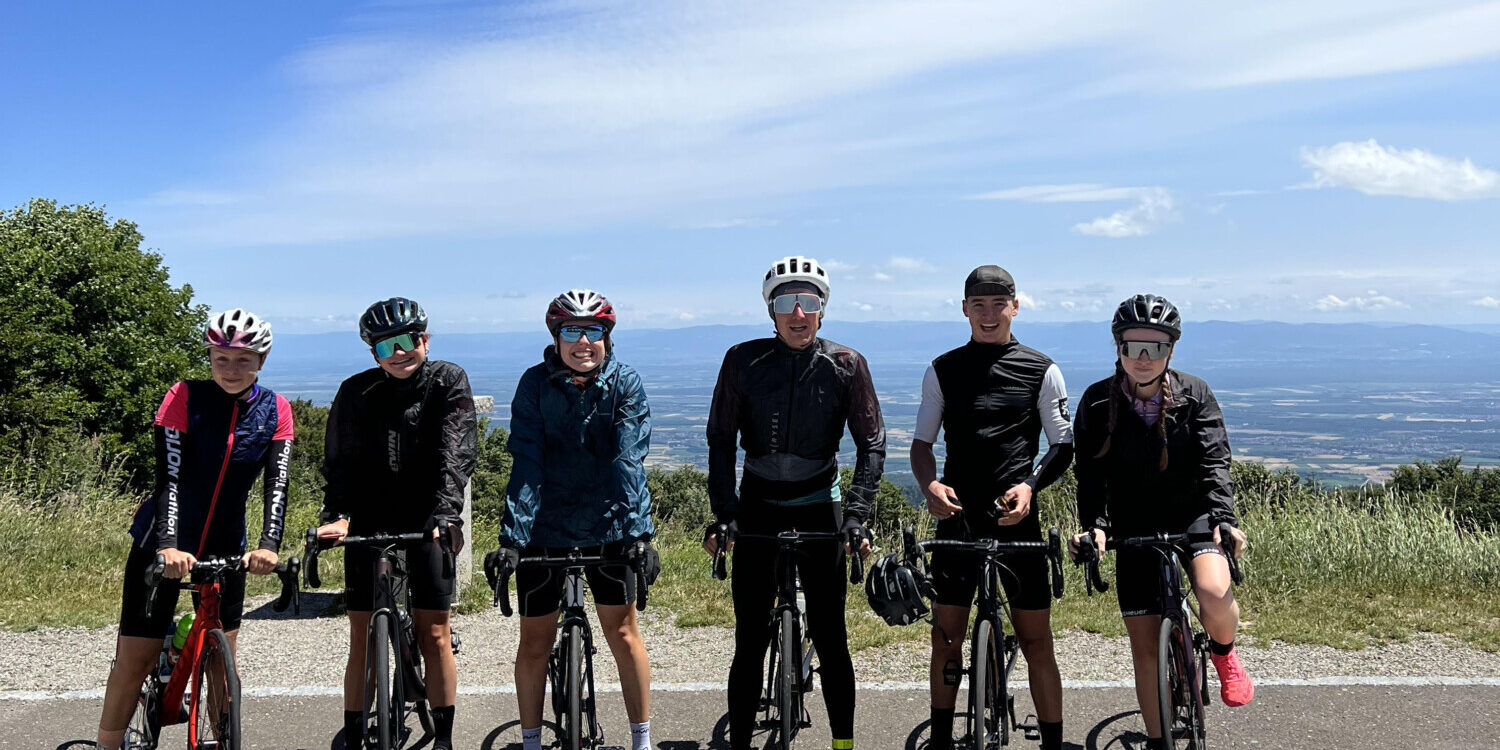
<point x="1234" y="683"/>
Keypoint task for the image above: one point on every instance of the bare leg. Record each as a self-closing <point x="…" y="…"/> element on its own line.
<point x="622" y="632"/>
<point x="1034" y="631"/>
<point x="1145" y="638"/>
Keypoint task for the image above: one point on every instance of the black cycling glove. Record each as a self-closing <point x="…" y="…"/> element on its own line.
<point x="643" y="557"/>
<point x="855" y="532"/>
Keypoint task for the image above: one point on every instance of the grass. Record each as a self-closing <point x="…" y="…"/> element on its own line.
<point x="1323" y="568"/>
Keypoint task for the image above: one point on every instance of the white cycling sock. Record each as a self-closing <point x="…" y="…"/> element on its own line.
<point x="640" y="736"/>
<point x="531" y="739"/>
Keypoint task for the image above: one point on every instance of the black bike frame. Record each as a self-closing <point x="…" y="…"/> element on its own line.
<point x="991" y="602"/>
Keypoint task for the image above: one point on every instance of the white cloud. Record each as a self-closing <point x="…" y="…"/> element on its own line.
<point x="1376" y="302"/>
<point x="834" y="265"/>
<point x="882" y="276"/>
<point x="576" y="114"/>
<point x="686" y="317"/>
<point x="1374" y="169"/>
<point x="901" y="264"/>
<point x="861" y="306"/>
<point x="1027" y="301"/>
<point x="1154" y="207"/>
<point x="1488" y="301"/>
<point x="732" y="224"/>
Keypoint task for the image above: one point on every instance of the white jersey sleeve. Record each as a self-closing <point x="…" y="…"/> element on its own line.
<point x="1052" y="405"/>
<point x="930" y="413"/>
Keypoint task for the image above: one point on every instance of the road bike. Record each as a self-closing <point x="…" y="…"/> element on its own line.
<point x="570" y="666"/>
<point x="395" y="687"/>
<point x="992" y="650"/>
<point x="1182" y="649"/>
<point x="211" y="705"/>
<point x="789" y="670"/>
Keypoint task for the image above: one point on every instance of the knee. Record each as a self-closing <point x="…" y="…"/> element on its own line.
<point x="532" y="651"/>
<point x="622" y="638"/>
<point x="1036" y="647"/>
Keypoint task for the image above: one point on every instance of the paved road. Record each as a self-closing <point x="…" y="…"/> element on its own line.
<point x="1097" y="718"/>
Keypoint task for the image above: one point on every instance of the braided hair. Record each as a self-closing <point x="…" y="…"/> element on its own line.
<point x="1117" y="397"/>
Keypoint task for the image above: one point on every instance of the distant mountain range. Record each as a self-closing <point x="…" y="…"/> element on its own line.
<point x="1240" y="351"/>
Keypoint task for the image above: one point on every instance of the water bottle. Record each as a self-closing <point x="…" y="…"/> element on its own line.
<point x="179" y="640"/>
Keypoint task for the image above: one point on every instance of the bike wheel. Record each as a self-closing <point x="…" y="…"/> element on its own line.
<point x="1178" y="698"/>
<point x="987" y="726"/>
<point x="145" y="723"/>
<point x="790" y="679"/>
<point x="215" y="710"/>
<point x="382" y="686"/>
<point x="573" y="721"/>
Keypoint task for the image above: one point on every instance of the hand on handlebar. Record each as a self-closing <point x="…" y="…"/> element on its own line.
<point x="1238" y="536"/>
<point x="260" y="561"/>
<point x="178" y="563"/>
<point x="856" y="537"/>
<point x="712" y="534"/>
<point x="644" y="558"/>
<point x="1076" y="546"/>
<point x="334" y="532"/>
<point x="455" y="535"/>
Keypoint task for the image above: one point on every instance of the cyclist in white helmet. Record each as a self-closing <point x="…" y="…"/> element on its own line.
<point x="198" y="506"/>
<point x="787" y="400"/>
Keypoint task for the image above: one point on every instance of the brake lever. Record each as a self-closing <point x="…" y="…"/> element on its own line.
<point x="310" y="578"/>
<point x="1226" y="545"/>
<point x="1054" y="556"/>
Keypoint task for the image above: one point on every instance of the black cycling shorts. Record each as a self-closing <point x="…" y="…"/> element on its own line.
<point x="539" y="591"/>
<point x="136" y="623"/>
<point x="1137" y="577"/>
<point x="955" y="574"/>
<point x="430" y="589"/>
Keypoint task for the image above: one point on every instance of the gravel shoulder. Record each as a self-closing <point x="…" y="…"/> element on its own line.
<point x="283" y="651"/>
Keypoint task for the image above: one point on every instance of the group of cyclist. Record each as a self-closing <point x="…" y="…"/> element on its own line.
<point x="401" y="443"/>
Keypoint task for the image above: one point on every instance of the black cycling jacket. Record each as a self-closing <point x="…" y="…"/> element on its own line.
<point x="788" y="408"/>
<point x="1125" y="490"/>
<point x="398" y="453"/>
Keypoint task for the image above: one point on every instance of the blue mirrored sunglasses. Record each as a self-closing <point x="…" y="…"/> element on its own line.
<point x="571" y="334"/>
<point x="406" y="342"/>
<point x="784" y="304"/>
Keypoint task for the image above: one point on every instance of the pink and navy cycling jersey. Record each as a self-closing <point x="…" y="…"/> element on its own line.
<point x="209" y="448"/>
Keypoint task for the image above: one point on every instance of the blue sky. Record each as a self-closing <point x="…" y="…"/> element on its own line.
<point x="1330" y="161"/>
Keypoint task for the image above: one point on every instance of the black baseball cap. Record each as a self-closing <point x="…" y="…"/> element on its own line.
<point x="989" y="280"/>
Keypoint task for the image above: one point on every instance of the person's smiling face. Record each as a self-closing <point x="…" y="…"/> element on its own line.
<point x="403" y="363"/>
<point x="990" y="317"/>
<point x="583" y="355"/>
<point x="234" y="369"/>
<point x="797" y="329"/>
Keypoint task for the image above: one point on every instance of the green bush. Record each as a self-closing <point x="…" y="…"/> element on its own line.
<point x="94" y="332"/>
<point x="1472" y="496"/>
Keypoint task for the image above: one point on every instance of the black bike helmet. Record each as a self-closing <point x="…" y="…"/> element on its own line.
<point x="391" y="317"/>
<point x="895" y="591"/>
<point x="1147" y="311"/>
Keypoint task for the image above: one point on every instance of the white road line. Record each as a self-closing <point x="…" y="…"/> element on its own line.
<point x="301" y="691"/>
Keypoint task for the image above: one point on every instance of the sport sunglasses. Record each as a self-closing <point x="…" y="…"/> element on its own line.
<point x="1154" y="350"/>
<point x="407" y="342"/>
<point x="571" y="334"/>
<point x="784" y="304"/>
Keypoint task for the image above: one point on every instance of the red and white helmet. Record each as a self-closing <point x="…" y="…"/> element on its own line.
<point x="576" y="304"/>
<point x="795" y="268"/>
<point x="238" y="329"/>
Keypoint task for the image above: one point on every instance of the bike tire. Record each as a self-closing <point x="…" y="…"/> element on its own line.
<point x="790" y="678"/>
<point x="573" y="728"/>
<point x="145" y="724"/>
<point x="380" y="680"/>
<point x="988" y="728"/>
<point x="1179" y="701"/>
<point x="215" y="710"/>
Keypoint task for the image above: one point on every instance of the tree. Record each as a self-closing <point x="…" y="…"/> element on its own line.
<point x="491" y="472"/>
<point x="94" y="331"/>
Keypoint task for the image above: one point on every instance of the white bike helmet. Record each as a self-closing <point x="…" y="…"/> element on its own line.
<point x="795" y="268"/>
<point x="238" y="329"/>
